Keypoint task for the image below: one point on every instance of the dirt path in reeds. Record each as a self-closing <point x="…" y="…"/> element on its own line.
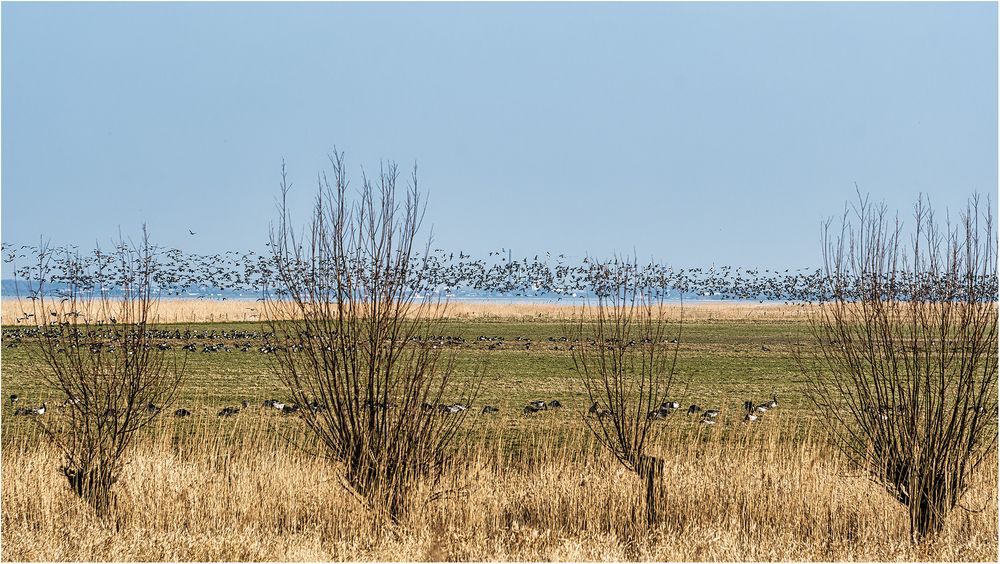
<point x="238" y="491"/>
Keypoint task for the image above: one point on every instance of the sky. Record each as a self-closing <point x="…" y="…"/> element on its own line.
<point x="690" y="134"/>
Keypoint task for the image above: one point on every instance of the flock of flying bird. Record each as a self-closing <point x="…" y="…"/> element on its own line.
<point x="438" y="273"/>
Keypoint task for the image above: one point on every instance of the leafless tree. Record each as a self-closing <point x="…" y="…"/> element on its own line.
<point x="626" y="364"/>
<point x="360" y="362"/>
<point x="908" y="334"/>
<point x="96" y="351"/>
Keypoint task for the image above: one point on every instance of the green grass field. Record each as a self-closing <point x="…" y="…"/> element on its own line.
<point x="720" y="365"/>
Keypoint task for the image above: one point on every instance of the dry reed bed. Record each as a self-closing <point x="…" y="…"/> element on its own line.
<point x="215" y="311"/>
<point x="238" y="491"/>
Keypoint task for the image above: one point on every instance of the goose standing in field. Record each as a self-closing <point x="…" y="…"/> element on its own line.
<point x="773" y="403"/>
<point x="538" y="405"/>
<point x="182" y="413"/>
<point x="228" y="411"/>
<point x="751" y="415"/>
<point x="37" y="410"/>
<point x="152" y="408"/>
<point x="656" y="414"/>
<point x="711" y="413"/>
<point x="14" y="398"/>
<point x="31" y="410"/>
<point x="599" y="411"/>
<point x="531" y="408"/>
<point x="665" y="409"/>
<point x="555" y="404"/>
<point x="490" y="409"/>
<point x="693" y="409"/>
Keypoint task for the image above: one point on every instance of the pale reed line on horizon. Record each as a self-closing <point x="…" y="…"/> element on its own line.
<point x="12" y="311"/>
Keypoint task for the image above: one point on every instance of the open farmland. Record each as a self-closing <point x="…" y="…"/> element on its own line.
<point x="724" y="359"/>
<point x="539" y="487"/>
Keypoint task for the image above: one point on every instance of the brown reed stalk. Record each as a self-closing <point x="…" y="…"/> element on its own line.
<point x="360" y="363"/>
<point x="908" y="337"/>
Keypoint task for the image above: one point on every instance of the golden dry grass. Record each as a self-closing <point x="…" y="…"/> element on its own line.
<point x="234" y="490"/>
<point x="166" y="311"/>
<point x="214" y="311"/>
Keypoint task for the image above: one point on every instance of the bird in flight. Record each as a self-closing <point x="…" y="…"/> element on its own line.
<point x="191" y="232"/>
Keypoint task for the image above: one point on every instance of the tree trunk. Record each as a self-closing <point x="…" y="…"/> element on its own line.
<point x="929" y="506"/>
<point x="650" y="470"/>
<point x="93" y="485"/>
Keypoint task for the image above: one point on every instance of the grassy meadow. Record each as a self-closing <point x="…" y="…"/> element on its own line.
<point x="252" y="487"/>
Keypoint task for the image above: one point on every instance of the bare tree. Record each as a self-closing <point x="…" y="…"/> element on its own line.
<point x="908" y="334"/>
<point x="96" y="350"/>
<point x="360" y="359"/>
<point x="626" y="364"/>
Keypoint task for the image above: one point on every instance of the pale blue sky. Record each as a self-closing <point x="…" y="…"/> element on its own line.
<point x="691" y="133"/>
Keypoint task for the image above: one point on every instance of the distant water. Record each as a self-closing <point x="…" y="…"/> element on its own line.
<point x="12" y="288"/>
